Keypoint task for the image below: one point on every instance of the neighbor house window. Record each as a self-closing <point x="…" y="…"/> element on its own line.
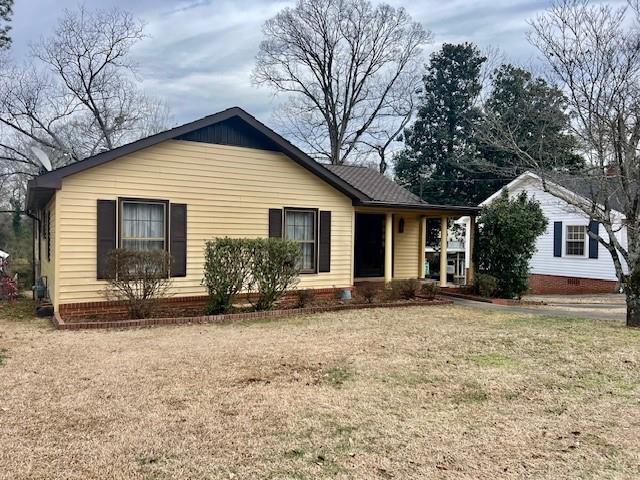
<point x="300" y="226"/>
<point x="143" y="225"/>
<point x="576" y="236"/>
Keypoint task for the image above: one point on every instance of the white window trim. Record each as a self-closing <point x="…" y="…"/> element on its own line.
<point x="313" y="270"/>
<point x="165" y="246"/>
<point x="585" y="250"/>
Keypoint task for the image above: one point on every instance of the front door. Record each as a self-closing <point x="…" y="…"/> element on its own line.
<point x="369" y="245"/>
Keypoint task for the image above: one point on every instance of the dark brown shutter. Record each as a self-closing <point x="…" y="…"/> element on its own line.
<point x="178" y="241"/>
<point x="106" y="220"/>
<point x="275" y="223"/>
<point x="324" y="261"/>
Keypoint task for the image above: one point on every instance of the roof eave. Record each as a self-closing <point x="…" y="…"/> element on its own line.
<point x="420" y="206"/>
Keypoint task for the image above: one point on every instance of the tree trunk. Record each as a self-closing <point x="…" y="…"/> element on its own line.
<point x="632" y="291"/>
<point x="633" y="310"/>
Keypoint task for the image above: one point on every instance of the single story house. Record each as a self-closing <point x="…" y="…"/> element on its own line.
<point x="226" y="174"/>
<point x="567" y="259"/>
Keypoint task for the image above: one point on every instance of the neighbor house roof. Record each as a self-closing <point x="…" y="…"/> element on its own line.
<point x="582" y="186"/>
<point x="363" y="186"/>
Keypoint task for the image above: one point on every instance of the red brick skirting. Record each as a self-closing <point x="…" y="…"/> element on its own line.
<point x="555" y="284"/>
<point x="170" y="307"/>
<point x="60" y="324"/>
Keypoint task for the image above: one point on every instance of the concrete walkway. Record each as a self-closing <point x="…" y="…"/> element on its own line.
<point x="611" y="312"/>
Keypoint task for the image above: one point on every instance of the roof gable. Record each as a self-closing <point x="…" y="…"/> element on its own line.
<point x="233" y="126"/>
<point x="232" y="131"/>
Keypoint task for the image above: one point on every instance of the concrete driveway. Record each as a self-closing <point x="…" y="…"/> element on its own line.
<point x="600" y="307"/>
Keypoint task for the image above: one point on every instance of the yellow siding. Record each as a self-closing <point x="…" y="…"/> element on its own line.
<point x="48" y="267"/>
<point x="406" y="255"/>
<point x="228" y="191"/>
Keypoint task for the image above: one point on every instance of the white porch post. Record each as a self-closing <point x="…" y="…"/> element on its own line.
<point x="388" y="247"/>
<point x="421" y="246"/>
<point x="471" y="272"/>
<point x="444" y="233"/>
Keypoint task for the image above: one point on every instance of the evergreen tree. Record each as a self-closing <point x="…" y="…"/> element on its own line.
<point x="6" y="11"/>
<point x="535" y="115"/>
<point x="440" y="148"/>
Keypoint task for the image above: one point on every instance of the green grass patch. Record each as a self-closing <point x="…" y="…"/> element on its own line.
<point x="337" y="376"/>
<point x="19" y="310"/>
<point x="406" y="377"/>
<point x="493" y="360"/>
<point x="3" y="356"/>
<point x="472" y="393"/>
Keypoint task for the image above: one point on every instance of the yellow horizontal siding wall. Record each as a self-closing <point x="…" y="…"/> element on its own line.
<point x="228" y="191"/>
<point x="406" y="255"/>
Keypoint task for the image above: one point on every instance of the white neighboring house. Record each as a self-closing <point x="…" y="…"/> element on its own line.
<point x="567" y="260"/>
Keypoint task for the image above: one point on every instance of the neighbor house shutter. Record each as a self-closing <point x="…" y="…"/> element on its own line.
<point x="557" y="239"/>
<point x="275" y="223"/>
<point x="593" y="243"/>
<point x="178" y="239"/>
<point x="324" y="260"/>
<point x="106" y="220"/>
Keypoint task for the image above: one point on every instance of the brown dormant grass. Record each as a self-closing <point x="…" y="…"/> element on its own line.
<point x="437" y="392"/>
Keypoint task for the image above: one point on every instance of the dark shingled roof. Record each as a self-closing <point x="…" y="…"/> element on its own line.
<point x="374" y="185"/>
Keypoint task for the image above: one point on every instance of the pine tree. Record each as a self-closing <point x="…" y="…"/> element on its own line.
<point x="440" y="148"/>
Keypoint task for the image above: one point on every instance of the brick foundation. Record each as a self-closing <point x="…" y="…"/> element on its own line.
<point x="60" y="324"/>
<point x="174" y="306"/>
<point x="555" y="284"/>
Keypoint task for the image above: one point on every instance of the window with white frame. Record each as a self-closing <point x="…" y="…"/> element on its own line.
<point x="300" y="226"/>
<point x="576" y="239"/>
<point x="143" y="225"/>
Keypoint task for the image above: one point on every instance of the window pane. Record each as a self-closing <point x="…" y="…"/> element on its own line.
<point x="143" y="226"/>
<point x="307" y="256"/>
<point x="300" y="227"/>
<point x="576" y="240"/>
<point x="133" y="244"/>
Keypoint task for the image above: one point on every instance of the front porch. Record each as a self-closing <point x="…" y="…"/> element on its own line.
<point x="390" y="244"/>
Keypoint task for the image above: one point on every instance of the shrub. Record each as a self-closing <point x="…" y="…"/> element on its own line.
<point x="227" y="267"/>
<point x="508" y="229"/>
<point x="305" y="298"/>
<point x="8" y="288"/>
<point x="275" y="268"/>
<point x="403" y="289"/>
<point x="138" y="278"/>
<point x="486" y="285"/>
<point x="430" y="290"/>
<point x="368" y="292"/>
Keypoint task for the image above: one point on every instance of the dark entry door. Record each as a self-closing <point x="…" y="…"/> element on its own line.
<point x="369" y="245"/>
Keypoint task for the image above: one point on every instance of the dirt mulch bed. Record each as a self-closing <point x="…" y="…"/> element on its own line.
<point x="61" y="324"/>
<point x="497" y="301"/>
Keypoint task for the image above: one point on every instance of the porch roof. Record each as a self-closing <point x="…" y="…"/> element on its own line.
<point x="384" y="193"/>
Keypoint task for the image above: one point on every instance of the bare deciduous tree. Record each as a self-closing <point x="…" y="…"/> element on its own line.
<point x="593" y="54"/>
<point x="347" y="66"/>
<point x="78" y="95"/>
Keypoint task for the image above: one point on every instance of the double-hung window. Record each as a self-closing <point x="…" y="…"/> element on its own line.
<point x="576" y="236"/>
<point x="143" y="225"/>
<point x="300" y="226"/>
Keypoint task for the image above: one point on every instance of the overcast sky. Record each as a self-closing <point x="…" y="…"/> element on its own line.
<point x="200" y="53"/>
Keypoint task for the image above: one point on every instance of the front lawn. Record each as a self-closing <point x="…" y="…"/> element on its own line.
<point x="436" y="392"/>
